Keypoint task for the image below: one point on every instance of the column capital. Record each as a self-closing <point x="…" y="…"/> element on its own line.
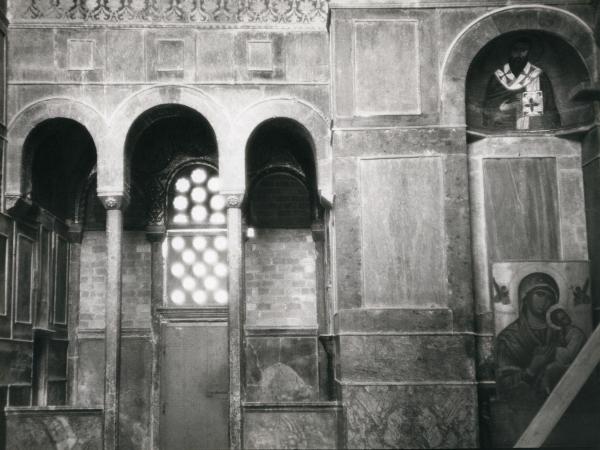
<point x="155" y="232"/>
<point x="318" y="231"/>
<point x="75" y="233"/>
<point x="113" y="201"/>
<point x="234" y="199"/>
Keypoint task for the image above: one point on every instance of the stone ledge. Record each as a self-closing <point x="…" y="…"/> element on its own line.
<point x="381" y="320"/>
<point x="98" y="333"/>
<point x="280" y="331"/>
<point x="52" y="410"/>
<point x="291" y="406"/>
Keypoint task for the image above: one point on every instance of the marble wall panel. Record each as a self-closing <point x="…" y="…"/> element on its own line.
<point x="3" y="66"/>
<point x="572" y="222"/>
<point x="381" y="48"/>
<point x="80" y="54"/>
<point x="403" y="232"/>
<point x="15" y="361"/>
<point x="170" y="55"/>
<point x="256" y="59"/>
<point x="592" y="207"/>
<point x="521" y="208"/>
<point x="259" y="55"/>
<point x="458" y="239"/>
<point x="281" y="369"/>
<point x="136" y="382"/>
<point x="124" y="62"/>
<point x="380" y="77"/>
<point x="398" y="141"/>
<point x="393" y="358"/>
<point x="307" y="57"/>
<point x="53" y="428"/>
<point x="90" y="372"/>
<point x="31" y="53"/>
<point x="215" y="56"/>
<point x="290" y="429"/>
<point x="347" y="233"/>
<point x="411" y="416"/>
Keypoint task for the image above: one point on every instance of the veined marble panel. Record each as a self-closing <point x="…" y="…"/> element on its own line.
<point x="281" y="369"/>
<point x="403" y="232"/>
<point x="422" y="358"/>
<point x="386" y="67"/>
<point x="521" y="208"/>
<point x="39" y="428"/>
<point x="411" y="416"/>
<point x="293" y="429"/>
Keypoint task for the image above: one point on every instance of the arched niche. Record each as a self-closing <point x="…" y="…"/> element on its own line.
<point x="60" y="154"/>
<point x="113" y="173"/>
<point x="282" y="186"/>
<point x="18" y="157"/>
<point x="309" y="117"/>
<point x="161" y="140"/>
<point x="465" y="47"/>
<point x="523" y="81"/>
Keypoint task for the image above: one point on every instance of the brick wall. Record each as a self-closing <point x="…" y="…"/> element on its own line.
<point x="136" y="280"/>
<point x="280" y="278"/>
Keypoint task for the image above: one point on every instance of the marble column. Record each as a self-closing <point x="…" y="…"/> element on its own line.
<point x="156" y="234"/>
<point x="114" y="205"/>
<point x="75" y="234"/>
<point x="236" y="308"/>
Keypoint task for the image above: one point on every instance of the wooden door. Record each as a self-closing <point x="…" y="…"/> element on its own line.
<point x="194" y="386"/>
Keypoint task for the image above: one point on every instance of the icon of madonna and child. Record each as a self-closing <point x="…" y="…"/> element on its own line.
<point x="534" y="351"/>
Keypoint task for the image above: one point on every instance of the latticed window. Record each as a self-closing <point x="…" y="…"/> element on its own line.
<point x="196" y="246"/>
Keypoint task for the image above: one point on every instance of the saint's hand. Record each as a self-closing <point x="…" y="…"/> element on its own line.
<point x="508" y="105"/>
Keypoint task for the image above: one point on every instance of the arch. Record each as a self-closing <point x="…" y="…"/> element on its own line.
<point x="478" y="33"/>
<point x="18" y="164"/>
<point x="299" y="111"/>
<point x="111" y="173"/>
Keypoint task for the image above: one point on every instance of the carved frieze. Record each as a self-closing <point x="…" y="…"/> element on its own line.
<point x="191" y="11"/>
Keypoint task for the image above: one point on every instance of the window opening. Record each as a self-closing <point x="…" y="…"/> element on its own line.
<point x="195" y="250"/>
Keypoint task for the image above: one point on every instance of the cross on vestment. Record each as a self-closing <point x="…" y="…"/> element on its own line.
<point x="531" y="105"/>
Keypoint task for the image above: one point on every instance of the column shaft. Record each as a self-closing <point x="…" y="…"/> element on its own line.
<point x="112" y="335"/>
<point x="236" y="289"/>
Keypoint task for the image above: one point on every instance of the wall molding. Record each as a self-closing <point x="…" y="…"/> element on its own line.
<point x="174" y="11"/>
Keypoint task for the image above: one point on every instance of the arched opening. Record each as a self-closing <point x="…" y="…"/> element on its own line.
<point x="61" y="153"/>
<point x="523" y="81"/>
<point x="283" y="265"/>
<point x="175" y="271"/>
<point x="281" y="176"/>
<point x="58" y="155"/>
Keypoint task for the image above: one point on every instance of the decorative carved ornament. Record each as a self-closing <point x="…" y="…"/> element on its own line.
<point x="182" y="11"/>
<point x="112" y="201"/>
<point x="234" y="200"/>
